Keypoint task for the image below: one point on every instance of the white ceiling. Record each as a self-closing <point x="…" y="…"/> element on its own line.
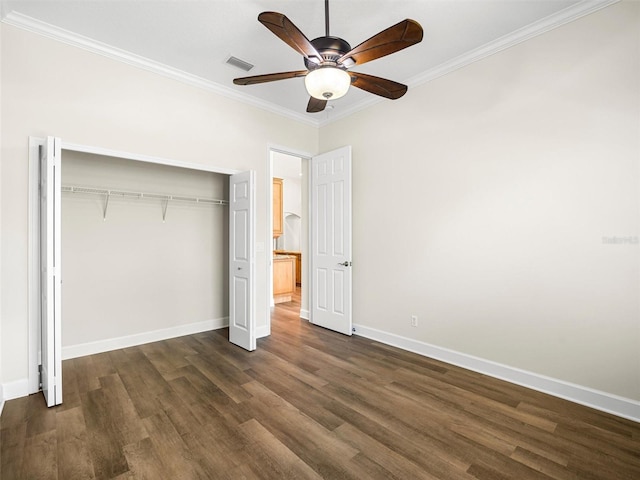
<point x="192" y="39"/>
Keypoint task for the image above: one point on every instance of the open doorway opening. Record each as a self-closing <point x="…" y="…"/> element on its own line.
<point x="289" y="232"/>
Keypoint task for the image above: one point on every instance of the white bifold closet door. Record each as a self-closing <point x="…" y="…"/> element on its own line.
<point x="242" y="328"/>
<point x="50" y="265"/>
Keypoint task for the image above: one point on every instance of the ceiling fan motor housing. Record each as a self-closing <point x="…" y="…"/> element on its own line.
<point x="331" y="49"/>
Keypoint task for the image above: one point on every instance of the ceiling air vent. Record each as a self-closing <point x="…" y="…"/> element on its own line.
<point x="241" y="64"/>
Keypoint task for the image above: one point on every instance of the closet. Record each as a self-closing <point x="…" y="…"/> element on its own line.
<point x="145" y="249"/>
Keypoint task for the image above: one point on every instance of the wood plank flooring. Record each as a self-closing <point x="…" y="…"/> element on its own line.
<point x="308" y="404"/>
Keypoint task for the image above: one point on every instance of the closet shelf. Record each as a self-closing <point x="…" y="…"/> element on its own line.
<point x="165" y="198"/>
<point x="157" y="196"/>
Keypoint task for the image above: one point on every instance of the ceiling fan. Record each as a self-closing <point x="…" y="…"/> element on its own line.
<point x="328" y="59"/>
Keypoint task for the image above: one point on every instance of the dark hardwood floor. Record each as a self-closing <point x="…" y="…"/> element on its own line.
<point x="307" y="404"/>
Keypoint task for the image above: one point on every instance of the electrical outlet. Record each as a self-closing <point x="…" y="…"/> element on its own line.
<point x="414" y="320"/>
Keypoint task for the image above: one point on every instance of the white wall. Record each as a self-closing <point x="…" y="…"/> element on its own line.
<point x="482" y="207"/>
<point x="133" y="273"/>
<point x="50" y="88"/>
<point x="292" y="196"/>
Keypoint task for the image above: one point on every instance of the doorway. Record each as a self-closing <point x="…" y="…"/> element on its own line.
<point x="326" y="293"/>
<point x="289" y="240"/>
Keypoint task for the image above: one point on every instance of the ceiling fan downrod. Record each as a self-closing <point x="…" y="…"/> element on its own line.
<point x="326" y="18"/>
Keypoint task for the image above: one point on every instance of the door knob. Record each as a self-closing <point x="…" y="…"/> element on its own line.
<point x="345" y="264"/>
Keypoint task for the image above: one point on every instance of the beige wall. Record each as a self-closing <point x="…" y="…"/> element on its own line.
<point x="483" y="205"/>
<point x="49" y="88"/>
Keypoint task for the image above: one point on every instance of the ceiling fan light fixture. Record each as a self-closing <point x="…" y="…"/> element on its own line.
<point x="327" y="83"/>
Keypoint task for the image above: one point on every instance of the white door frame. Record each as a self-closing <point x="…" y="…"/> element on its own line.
<point x="306" y="157"/>
<point x="34" y="231"/>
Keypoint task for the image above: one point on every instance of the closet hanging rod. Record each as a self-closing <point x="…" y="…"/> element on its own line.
<point x="140" y="195"/>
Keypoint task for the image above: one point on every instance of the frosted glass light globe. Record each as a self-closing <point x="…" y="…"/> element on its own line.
<point x="327" y="83"/>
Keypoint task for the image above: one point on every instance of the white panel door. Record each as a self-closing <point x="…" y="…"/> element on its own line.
<point x="331" y="240"/>
<point x="50" y="277"/>
<point x="242" y="260"/>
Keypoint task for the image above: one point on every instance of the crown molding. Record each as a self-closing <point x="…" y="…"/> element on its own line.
<point x="544" y="25"/>
<point x="65" y="36"/>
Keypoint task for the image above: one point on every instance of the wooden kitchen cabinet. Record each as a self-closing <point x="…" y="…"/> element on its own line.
<point x="284" y="278"/>
<point x="278" y="217"/>
<point x="298" y="256"/>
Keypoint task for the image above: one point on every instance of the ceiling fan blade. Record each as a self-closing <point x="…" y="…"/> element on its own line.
<point x="316" y="105"/>
<point x="378" y="86"/>
<point x="393" y="39"/>
<point x="284" y="29"/>
<point x="270" y="77"/>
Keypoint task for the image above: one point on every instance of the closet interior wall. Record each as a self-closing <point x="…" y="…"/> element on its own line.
<point x="127" y="272"/>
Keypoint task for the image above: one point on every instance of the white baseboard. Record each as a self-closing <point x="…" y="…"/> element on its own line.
<point x="262" y="332"/>
<point x="606" y="402"/>
<point x="304" y="314"/>
<point x="90" y="348"/>
<point x="16" y="389"/>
